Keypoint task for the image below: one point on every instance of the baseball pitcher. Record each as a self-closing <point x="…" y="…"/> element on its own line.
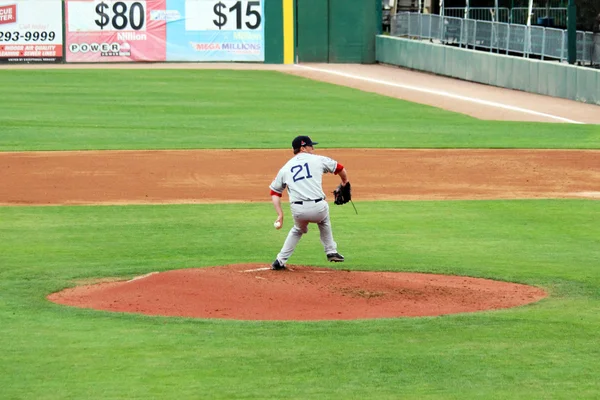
<point x="302" y="176"/>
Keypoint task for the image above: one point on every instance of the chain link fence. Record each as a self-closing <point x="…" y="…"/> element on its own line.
<point x="498" y="37"/>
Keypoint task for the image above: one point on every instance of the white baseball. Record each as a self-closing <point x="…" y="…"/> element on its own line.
<point x="277" y="224"/>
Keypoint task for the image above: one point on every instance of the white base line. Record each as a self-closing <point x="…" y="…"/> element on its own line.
<point x="142" y="276"/>
<point x="441" y="93"/>
<point x="257" y="269"/>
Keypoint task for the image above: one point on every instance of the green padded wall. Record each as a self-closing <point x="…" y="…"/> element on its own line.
<point x="273" y="32"/>
<point x="312" y="30"/>
<point x="337" y="31"/>
<point x="353" y="26"/>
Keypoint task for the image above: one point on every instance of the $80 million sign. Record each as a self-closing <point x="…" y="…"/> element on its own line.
<point x="164" y="30"/>
<point x="121" y="15"/>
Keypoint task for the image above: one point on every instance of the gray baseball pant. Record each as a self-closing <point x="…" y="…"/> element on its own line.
<point x="304" y="214"/>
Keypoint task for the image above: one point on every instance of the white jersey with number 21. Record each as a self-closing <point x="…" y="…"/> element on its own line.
<point x="302" y="175"/>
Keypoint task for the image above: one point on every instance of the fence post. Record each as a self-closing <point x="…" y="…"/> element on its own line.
<point x="572" y="32"/>
<point x="508" y="40"/>
<point x="588" y="48"/>
<point x="475" y="35"/>
<point x="562" y="46"/>
<point x="543" y="42"/>
<point x="492" y="37"/>
<point x="461" y="34"/>
<point x="527" y="41"/>
<point x="429" y="34"/>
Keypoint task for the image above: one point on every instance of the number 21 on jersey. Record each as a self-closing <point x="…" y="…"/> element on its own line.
<point x="300" y="172"/>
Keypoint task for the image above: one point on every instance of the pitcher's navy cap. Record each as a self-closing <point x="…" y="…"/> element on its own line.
<point x="301" y="141"/>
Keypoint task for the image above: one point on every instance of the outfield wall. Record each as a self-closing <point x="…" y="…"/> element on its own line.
<point x="534" y="76"/>
<point x="337" y="31"/>
<point x="263" y="31"/>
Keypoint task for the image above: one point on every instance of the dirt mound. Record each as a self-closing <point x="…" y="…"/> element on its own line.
<point x="254" y="292"/>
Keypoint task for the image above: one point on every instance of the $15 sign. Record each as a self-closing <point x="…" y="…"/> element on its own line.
<point x="239" y="17"/>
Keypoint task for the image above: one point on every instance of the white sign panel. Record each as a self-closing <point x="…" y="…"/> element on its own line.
<point x="31" y="31"/>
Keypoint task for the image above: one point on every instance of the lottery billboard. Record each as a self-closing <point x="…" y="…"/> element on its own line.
<point x="115" y="30"/>
<point x="31" y="31"/>
<point x="216" y="30"/>
<point x="164" y="30"/>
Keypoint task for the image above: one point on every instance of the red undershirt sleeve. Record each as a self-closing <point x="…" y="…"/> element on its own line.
<point x="274" y="193"/>
<point x="338" y="168"/>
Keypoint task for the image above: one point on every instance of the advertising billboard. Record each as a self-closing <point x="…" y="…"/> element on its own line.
<point x="216" y="30"/>
<point x="164" y="30"/>
<point x="31" y="31"/>
<point x="114" y="31"/>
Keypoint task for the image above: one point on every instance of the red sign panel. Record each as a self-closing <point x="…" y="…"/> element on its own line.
<point x="115" y="30"/>
<point x="8" y="14"/>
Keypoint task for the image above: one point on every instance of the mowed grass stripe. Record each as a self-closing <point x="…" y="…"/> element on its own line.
<point x="185" y="109"/>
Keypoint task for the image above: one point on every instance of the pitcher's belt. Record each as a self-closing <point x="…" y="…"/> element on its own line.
<point x="302" y="202"/>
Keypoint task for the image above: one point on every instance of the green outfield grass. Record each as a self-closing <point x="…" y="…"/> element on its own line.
<point x="545" y="350"/>
<point x="182" y="109"/>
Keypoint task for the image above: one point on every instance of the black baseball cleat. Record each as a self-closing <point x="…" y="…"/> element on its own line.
<point x="335" y="257"/>
<point x="276" y="266"/>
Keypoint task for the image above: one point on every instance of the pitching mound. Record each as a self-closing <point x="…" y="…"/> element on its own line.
<point x="253" y="292"/>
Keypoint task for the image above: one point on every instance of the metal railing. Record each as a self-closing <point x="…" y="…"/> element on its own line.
<point x="498" y="37"/>
<point x="479" y="13"/>
<point x="558" y="15"/>
<point x="516" y="15"/>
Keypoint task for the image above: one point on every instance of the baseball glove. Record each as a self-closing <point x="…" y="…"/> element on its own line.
<point x="342" y="194"/>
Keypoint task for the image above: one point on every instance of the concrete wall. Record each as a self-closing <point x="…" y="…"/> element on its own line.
<point x="542" y="77"/>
